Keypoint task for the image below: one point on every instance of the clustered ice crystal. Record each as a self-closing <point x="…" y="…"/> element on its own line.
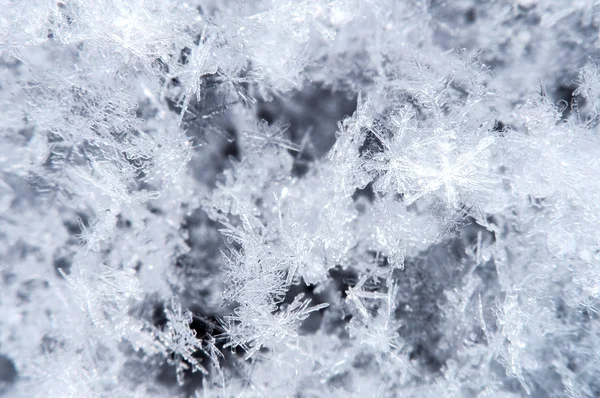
<point x="299" y="198"/>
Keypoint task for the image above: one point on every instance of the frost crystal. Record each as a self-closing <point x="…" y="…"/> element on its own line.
<point x="312" y="198"/>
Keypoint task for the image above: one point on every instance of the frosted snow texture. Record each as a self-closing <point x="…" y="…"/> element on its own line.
<point x="278" y="198"/>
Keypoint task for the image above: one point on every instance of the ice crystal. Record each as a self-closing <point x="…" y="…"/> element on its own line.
<point x="299" y="198"/>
